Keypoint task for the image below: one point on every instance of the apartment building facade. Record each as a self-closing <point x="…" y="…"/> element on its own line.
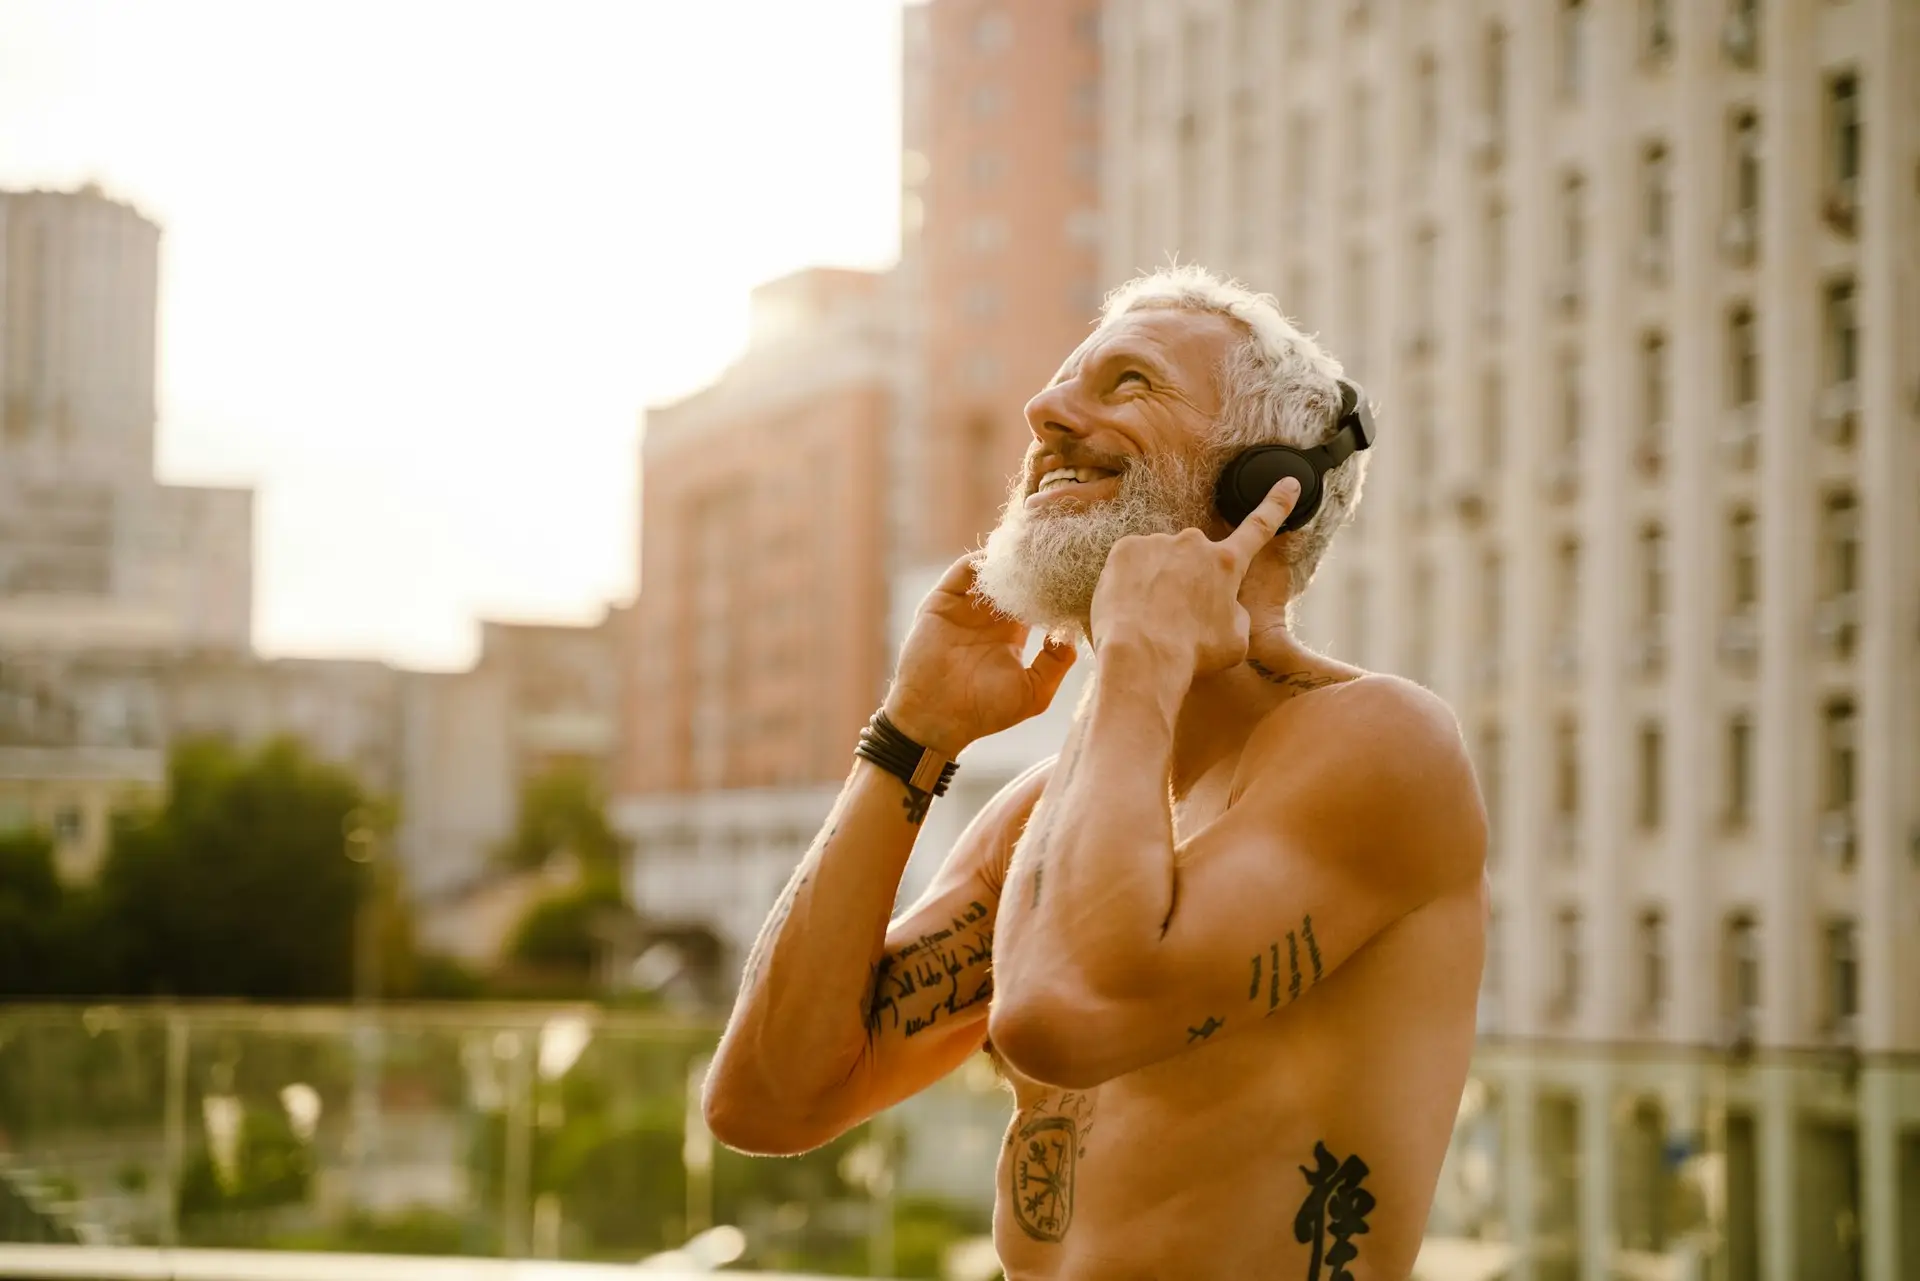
<point x="1636" y="287"/>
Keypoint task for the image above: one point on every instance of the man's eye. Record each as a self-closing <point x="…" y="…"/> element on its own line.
<point x="1131" y="373"/>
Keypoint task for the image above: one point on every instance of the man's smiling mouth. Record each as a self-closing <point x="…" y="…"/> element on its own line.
<point x="1061" y="477"/>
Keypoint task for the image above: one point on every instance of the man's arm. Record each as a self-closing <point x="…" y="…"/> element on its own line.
<point x="842" y="1014"/>
<point x="1117" y="950"/>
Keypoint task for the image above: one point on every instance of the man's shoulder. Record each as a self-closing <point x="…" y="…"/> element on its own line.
<point x="1381" y="758"/>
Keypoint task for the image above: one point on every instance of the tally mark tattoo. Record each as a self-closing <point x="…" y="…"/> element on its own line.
<point x="1336" y="1208"/>
<point x="938" y="974"/>
<point x="1304" y="682"/>
<point x="1205" y="1030"/>
<point x="1296" y="979"/>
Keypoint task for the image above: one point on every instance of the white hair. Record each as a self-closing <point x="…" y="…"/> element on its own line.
<point x="1276" y="387"/>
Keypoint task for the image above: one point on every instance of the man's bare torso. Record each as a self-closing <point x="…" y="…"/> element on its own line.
<point x="1317" y="1136"/>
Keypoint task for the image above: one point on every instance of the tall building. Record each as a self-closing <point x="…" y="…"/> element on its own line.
<point x="1637" y="287"/>
<point x="92" y="550"/>
<point x="1001" y="220"/>
<point x="758" y="644"/>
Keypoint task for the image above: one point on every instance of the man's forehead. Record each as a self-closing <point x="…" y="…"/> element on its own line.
<point x="1175" y="337"/>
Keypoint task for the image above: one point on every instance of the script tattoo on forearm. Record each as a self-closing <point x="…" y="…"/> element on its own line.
<point x="1304" y="682"/>
<point x="936" y="976"/>
<point x="1047" y="1141"/>
<point x="1297" y="941"/>
<point x="1335" y="1210"/>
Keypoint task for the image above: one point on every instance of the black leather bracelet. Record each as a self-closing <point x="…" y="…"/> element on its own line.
<point x="920" y="768"/>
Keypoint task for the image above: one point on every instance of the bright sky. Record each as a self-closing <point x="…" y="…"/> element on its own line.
<point x="425" y="261"/>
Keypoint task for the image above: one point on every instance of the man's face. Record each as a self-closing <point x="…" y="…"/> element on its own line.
<point x="1122" y="445"/>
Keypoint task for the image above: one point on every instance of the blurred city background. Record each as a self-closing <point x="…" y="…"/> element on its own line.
<point x="399" y="753"/>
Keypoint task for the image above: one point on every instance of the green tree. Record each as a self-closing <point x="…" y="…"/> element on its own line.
<point x="564" y="811"/>
<point x="239" y="884"/>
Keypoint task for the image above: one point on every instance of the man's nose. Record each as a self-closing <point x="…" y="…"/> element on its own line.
<point x="1053" y="413"/>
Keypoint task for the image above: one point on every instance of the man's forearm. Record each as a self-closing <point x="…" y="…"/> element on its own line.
<point x="1093" y="886"/>
<point x="798" y="1026"/>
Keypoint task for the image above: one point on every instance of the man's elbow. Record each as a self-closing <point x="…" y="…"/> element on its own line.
<point x="1046" y="1041"/>
<point x="748" y="1121"/>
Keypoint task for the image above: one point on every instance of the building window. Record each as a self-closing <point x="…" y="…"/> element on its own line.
<point x="1741" y="969"/>
<point x="992" y="32"/>
<point x="1492" y="769"/>
<point x="1420" y="613"/>
<point x="986" y="168"/>
<point x="1653" y="964"/>
<point x="1843" y="129"/>
<point x="1494" y="255"/>
<point x="1493" y="84"/>
<point x="1360" y="618"/>
<point x="1573" y="199"/>
<point x="1746" y="164"/>
<point x="1567" y="976"/>
<point x="1083" y="228"/>
<point x="1743" y="561"/>
<point x="1837" y="776"/>
<point x="1493" y="405"/>
<point x="1426" y="100"/>
<point x="1086" y="99"/>
<point x="1656" y="195"/>
<point x="1573" y="47"/>
<point x="988" y="101"/>
<point x="1492" y="606"/>
<point x="1653" y="574"/>
<point x="1570" y="404"/>
<point x="68" y="824"/>
<point x="1651" y="759"/>
<point x="1566" y="768"/>
<point x="982" y="301"/>
<point x="1566" y="612"/>
<point x="1839" y="544"/>
<point x="1743" y="357"/>
<point x="1656" y="30"/>
<point x="983" y="370"/>
<point x="1084" y="161"/>
<point x="985" y="235"/>
<point x="1360" y="126"/>
<point x="1843" y="975"/>
<point x="1843" y="333"/>
<point x="1653" y="382"/>
<point x="1426" y="255"/>
<point x="1086" y="26"/>
<point x="1738" y="807"/>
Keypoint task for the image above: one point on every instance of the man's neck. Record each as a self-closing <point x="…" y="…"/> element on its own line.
<point x="1222" y="708"/>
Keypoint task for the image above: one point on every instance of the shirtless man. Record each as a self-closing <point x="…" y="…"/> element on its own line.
<point x="1226" y="947"/>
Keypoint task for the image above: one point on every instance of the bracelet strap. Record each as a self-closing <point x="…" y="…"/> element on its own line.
<point x="921" y="768"/>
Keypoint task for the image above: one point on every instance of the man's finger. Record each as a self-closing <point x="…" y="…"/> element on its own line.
<point x="959" y="576"/>
<point x="1263" y="522"/>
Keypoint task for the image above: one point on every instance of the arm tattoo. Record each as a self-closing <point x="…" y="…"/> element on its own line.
<point x="1297" y="980"/>
<point x="1336" y="1209"/>
<point x="938" y="975"/>
<point x="1304" y="682"/>
<point x="1205" y="1030"/>
<point x="916" y="803"/>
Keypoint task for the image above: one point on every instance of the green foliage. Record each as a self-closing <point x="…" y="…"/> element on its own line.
<point x="557" y="932"/>
<point x="273" y="1167"/>
<point x="203" y="893"/>
<point x="53" y="940"/>
<point x="564" y="811"/>
<point x="419" y="1230"/>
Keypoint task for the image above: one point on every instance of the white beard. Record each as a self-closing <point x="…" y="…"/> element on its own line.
<point x="1043" y="569"/>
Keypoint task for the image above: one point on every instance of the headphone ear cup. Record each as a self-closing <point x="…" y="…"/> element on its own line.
<point x="1251" y="475"/>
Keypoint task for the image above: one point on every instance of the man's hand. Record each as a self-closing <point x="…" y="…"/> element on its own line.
<point x="1177" y="596"/>
<point x="960" y="677"/>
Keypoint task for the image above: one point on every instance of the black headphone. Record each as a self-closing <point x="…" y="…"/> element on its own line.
<point x="1251" y="474"/>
